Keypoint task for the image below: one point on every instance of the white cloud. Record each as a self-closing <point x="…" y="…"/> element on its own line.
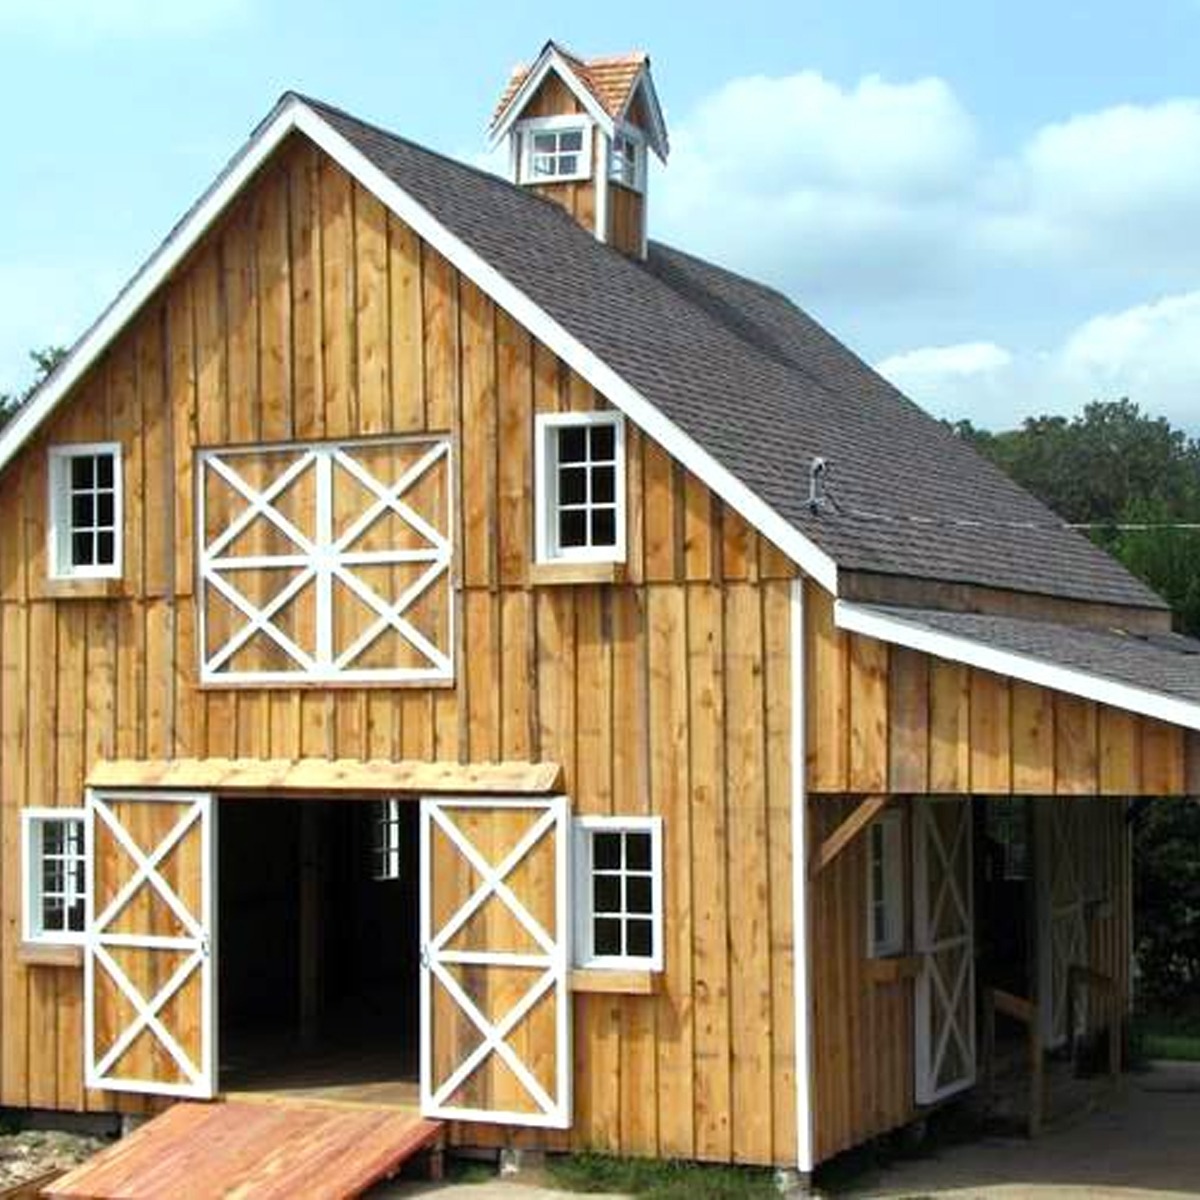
<point x="1149" y="352"/>
<point x="810" y="183"/>
<point x="882" y="192"/>
<point x="81" y="20"/>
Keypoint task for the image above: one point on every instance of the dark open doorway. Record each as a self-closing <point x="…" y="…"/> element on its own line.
<point x="318" y="956"/>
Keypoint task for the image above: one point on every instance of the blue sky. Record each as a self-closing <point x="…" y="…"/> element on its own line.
<point x="995" y="202"/>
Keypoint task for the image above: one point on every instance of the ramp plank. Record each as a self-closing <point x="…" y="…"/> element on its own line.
<point x="241" y="1150"/>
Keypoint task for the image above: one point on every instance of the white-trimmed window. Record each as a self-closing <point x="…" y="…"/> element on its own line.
<point x="885" y="885"/>
<point x="618" y="903"/>
<point x="556" y="149"/>
<point x="580" y="478"/>
<point x="54" y="862"/>
<point x="85" y="511"/>
<point x="626" y="161"/>
<point x="386" y="839"/>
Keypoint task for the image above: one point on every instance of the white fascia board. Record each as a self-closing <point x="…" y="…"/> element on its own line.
<point x="1072" y="680"/>
<point x="811" y="559"/>
<point x="550" y="60"/>
<point x="657" y="133"/>
<point x="148" y="279"/>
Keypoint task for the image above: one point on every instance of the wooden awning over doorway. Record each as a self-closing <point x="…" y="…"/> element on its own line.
<point x="326" y="776"/>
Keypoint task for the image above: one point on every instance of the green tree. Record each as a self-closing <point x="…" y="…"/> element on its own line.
<point x="44" y="362"/>
<point x="1109" y="468"/>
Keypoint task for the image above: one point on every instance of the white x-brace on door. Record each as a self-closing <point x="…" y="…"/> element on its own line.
<point x="495" y="996"/>
<point x="944" y="936"/>
<point x="149" y="980"/>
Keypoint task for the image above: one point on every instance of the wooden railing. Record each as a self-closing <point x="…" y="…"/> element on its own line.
<point x="1104" y="989"/>
<point x="1028" y="1014"/>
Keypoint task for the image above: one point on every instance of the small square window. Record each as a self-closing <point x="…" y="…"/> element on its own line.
<point x="885" y="886"/>
<point x="619" y="890"/>
<point x="556" y="154"/>
<point x="581" y="487"/>
<point x="55" y="875"/>
<point x="85" y="511"/>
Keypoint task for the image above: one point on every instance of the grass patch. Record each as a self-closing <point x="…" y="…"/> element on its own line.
<point x="1169" y="1034"/>
<point x="657" y="1180"/>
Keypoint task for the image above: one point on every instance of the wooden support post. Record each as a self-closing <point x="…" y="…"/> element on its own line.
<point x="846" y="832"/>
<point x="1037" y="1075"/>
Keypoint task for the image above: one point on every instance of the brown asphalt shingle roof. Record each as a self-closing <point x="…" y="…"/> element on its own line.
<point x="763" y="388"/>
<point x="1167" y="663"/>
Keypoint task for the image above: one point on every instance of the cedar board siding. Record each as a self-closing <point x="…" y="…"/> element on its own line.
<point x="310" y="313"/>
<point x="887" y="719"/>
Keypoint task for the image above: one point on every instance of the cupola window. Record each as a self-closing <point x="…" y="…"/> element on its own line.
<point x="556" y="152"/>
<point x="625" y="162"/>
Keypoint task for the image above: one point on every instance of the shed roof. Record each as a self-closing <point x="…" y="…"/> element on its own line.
<point x="1156" y="674"/>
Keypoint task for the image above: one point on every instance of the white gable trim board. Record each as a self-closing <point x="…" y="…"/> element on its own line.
<point x="549" y="60"/>
<point x="293" y="114"/>
<point x="887" y="627"/>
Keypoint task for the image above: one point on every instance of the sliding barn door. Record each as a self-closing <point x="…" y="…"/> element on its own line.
<point x="495" y="998"/>
<point x="944" y="937"/>
<point x="149" y="984"/>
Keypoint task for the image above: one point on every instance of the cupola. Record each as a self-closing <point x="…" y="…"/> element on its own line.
<point x="579" y="132"/>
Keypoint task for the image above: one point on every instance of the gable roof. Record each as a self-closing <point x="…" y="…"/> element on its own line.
<point x="738" y="383"/>
<point x="606" y="86"/>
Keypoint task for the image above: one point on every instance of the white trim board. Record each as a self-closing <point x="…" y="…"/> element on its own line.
<point x="292" y="113"/>
<point x="887" y="627"/>
<point x="549" y="60"/>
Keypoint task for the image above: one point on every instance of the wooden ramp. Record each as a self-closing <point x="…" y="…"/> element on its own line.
<point x="264" y="1151"/>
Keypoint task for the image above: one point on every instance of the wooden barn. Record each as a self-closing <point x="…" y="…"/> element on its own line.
<point x="465" y="656"/>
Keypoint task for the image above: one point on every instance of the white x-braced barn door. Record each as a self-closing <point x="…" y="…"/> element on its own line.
<point x="1059" y="846"/>
<point x="495" y="998"/>
<point x="326" y="562"/>
<point x="149" y="981"/>
<point x="944" y="937"/>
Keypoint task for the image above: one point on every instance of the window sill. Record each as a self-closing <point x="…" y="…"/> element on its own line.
<point x="598" y="981"/>
<point x="895" y="968"/>
<point x="102" y="587"/>
<point x="47" y="954"/>
<point x="565" y="573"/>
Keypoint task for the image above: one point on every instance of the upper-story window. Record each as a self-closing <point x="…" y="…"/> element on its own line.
<point x="581" y="487"/>
<point x="626" y="162"/>
<point x="326" y="562"/>
<point x="85" y="511"/>
<point x="556" y="150"/>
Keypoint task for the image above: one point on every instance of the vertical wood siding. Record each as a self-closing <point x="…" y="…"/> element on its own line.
<point x="311" y="313"/>
<point x="886" y="719"/>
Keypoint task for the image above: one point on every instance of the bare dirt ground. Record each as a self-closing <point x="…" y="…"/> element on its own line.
<point x="25" y="1156"/>
<point x="1143" y="1145"/>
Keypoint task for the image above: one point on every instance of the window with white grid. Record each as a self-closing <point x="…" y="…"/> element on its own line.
<point x="885" y="885"/>
<point x="556" y="153"/>
<point x="386" y="837"/>
<point x="619" y="892"/>
<point x="625" y="162"/>
<point x="85" y="511"/>
<point x="55" y="874"/>
<point x="581" y="487"/>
